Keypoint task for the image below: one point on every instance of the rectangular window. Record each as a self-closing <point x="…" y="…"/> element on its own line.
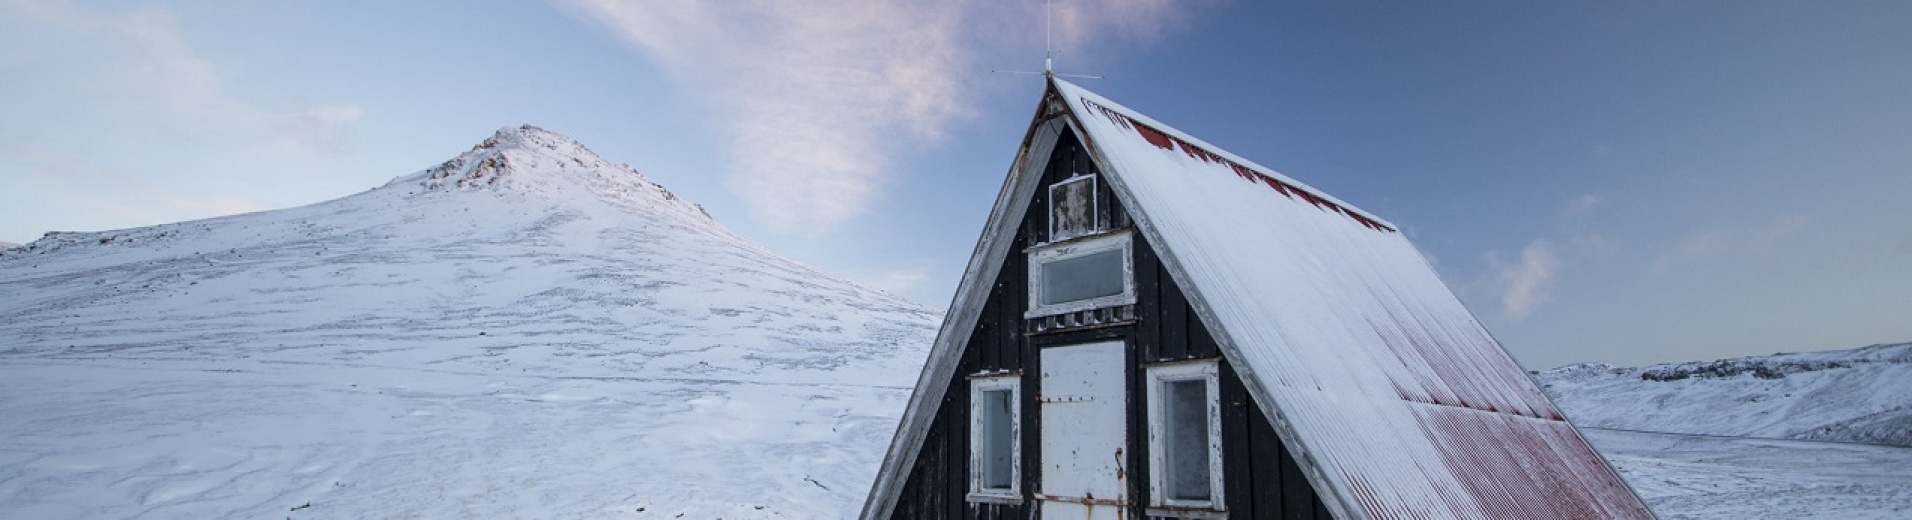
<point x="1077" y="276"/>
<point x="1185" y="464"/>
<point x="1094" y="275"/>
<point x="1073" y="208"/>
<point x="995" y="454"/>
<point x="998" y="432"/>
<point x="1185" y="442"/>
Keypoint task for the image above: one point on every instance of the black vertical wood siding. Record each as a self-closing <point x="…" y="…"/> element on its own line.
<point x="1260" y="478"/>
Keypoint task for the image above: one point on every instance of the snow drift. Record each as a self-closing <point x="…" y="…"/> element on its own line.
<point x="524" y="331"/>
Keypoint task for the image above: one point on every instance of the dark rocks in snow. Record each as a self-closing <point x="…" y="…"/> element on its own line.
<point x="1763" y="368"/>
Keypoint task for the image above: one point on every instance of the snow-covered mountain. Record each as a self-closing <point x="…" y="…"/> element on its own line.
<point x="7" y="245"/>
<point x="525" y="331"/>
<point x="1859" y="395"/>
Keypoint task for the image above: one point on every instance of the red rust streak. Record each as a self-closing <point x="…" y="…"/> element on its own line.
<point x="1244" y="172"/>
<point x="1278" y="186"/>
<point x="1154" y="137"/>
<point x="1167" y="142"/>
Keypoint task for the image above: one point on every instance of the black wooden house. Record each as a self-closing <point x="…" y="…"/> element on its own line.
<point x="1152" y="327"/>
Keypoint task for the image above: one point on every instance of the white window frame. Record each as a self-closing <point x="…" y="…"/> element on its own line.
<point x="1039" y="256"/>
<point x="978" y="384"/>
<point x="1095" y="207"/>
<point x="1158" y="378"/>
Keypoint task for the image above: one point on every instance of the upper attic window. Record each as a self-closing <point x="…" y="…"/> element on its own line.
<point x="1074" y="208"/>
<point x="1079" y="275"/>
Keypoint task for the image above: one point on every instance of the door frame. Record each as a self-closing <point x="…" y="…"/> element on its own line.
<point x="1124" y="478"/>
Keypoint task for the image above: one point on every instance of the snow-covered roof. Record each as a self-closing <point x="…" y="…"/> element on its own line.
<point x="1395" y="400"/>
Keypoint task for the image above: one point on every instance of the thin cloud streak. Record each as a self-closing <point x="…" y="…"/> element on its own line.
<point x="819" y="98"/>
<point x="900" y="281"/>
<point x="1583" y="205"/>
<point x="113" y="95"/>
<point x="143" y="54"/>
<point x="134" y="200"/>
<point x="1695" y="248"/>
<point x="1708" y="246"/>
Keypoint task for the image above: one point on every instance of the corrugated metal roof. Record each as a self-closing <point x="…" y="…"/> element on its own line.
<point x="1381" y="380"/>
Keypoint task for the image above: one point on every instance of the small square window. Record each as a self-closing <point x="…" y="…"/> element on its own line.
<point x="1073" y="206"/>
<point x="1185" y="464"/>
<point x="995" y="452"/>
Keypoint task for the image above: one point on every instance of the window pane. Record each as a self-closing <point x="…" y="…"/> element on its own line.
<point x="1089" y="276"/>
<point x="1072" y="209"/>
<point x="1186" y="405"/>
<point x="998" y="434"/>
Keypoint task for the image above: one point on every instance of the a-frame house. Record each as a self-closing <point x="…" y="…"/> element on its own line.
<point x="1153" y="327"/>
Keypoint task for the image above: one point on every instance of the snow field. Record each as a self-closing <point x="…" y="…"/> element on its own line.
<point x="1687" y="476"/>
<point x="166" y="439"/>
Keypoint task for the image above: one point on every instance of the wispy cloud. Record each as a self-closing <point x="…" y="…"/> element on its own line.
<point x="900" y="281"/>
<point x="1710" y="245"/>
<point x="133" y="199"/>
<point x="820" y="98"/>
<point x="1584" y="204"/>
<point x="1767" y="241"/>
<point x="1697" y="247"/>
<point x="1525" y="283"/>
<point x="142" y="54"/>
<point x="102" y="97"/>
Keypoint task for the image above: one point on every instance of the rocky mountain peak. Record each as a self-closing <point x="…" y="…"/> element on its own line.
<point x="529" y="159"/>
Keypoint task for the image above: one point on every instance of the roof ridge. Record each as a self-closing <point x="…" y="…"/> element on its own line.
<point x="1166" y="137"/>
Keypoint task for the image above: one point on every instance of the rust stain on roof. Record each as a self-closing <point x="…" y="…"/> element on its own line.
<point x="1166" y="141"/>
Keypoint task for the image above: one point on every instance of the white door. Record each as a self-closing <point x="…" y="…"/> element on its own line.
<point x="1084" y="432"/>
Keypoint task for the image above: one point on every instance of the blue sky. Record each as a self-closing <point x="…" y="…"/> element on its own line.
<point x="1629" y="182"/>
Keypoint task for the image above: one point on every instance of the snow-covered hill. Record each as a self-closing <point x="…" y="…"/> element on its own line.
<point x="525" y="331"/>
<point x="8" y="245"/>
<point x="1859" y="395"/>
<point x="1703" y="439"/>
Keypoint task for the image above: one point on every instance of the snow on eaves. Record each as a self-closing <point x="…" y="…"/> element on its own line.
<point x="1402" y="403"/>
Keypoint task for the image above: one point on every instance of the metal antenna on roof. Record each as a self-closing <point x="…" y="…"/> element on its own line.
<point x="1048" y="38"/>
<point x="1048" y="48"/>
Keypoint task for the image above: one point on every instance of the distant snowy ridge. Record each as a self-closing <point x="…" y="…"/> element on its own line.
<point x="1859" y="395"/>
<point x="8" y="245"/>
<point x="524" y="331"/>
